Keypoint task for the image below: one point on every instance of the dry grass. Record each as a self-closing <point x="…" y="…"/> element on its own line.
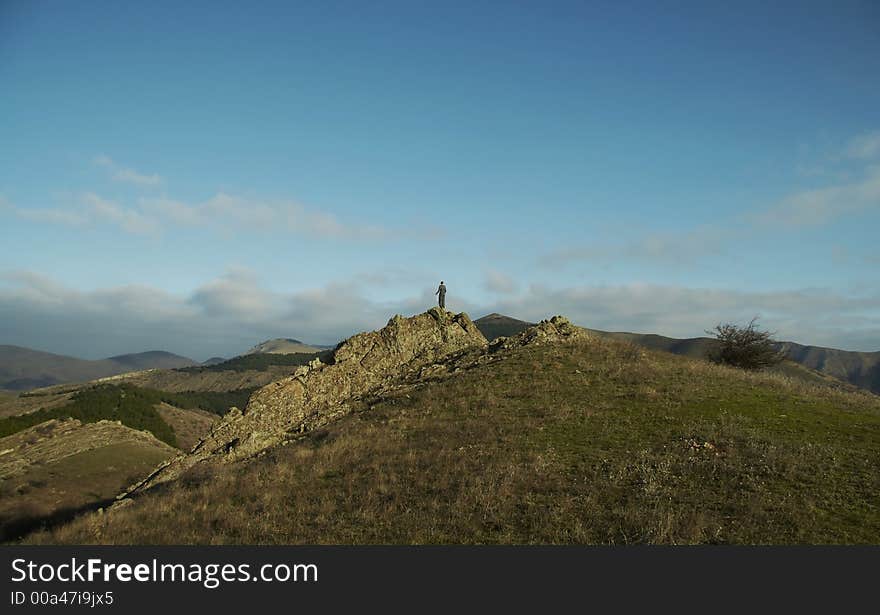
<point x="600" y="442"/>
<point x="188" y="424"/>
<point x="53" y="490"/>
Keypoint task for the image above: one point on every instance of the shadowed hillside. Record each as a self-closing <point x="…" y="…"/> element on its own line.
<point x="497" y="325"/>
<point x="553" y="436"/>
<point x="859" y="368"/>
<point x="50" y="471"/>
<point x="153" y="359"/>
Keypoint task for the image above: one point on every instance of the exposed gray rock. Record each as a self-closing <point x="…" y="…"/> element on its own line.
<point x="405" y="353"/>
<point x="365" y="364"/>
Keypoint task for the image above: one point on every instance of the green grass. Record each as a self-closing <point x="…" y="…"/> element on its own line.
<point x="133" y="406"/>
<point x="599" y="442"/>
<point x="258" y="362"/>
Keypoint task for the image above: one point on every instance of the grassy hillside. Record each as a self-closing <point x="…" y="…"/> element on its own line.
<point x="598" y="442"/>
<point x="861" y="369"/>
<point x="135" y="407"/>
<point x="257" y="362"/>
<point x="695" y="347"/>
<point x="51" y="471"/>
<point x="189" y="425"/>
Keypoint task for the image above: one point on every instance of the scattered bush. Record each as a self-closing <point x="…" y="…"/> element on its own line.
<point x="745" y="347"/>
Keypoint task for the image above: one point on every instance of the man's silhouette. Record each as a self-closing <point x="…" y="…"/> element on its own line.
<point x="441" y="294"/>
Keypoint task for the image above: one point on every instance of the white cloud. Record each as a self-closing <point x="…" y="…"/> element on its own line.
<point x="132" y="221"/>
<point x="499" y="283"/>
<point x="222" y="212"/>
<point x="237" y="295"/>
<point x="823" y="205"/>
<point x="864" y="146"/>
<point x="227" y="315"/>
<point x="67" y="217"/>
<point x="126" y="174"/>
<point x="228" y="211"/>
<point x="224" y="316"/>
<point x="680" y="249"/>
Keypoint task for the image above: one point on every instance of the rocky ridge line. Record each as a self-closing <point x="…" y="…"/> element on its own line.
<point x="406" y="352"/>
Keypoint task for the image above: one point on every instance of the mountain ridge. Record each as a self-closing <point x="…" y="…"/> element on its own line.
<point x="24" y="368"/>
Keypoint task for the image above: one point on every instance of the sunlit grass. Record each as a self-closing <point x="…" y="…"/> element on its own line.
<point x="598" y="442"/>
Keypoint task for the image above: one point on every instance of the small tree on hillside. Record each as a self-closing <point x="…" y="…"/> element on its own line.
<point x="745" y="347"/>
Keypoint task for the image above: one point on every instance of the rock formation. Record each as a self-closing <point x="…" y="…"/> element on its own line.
<point x="407" y="351"/>
<point x="365" y="364"/>
<point x="555" y="330"/>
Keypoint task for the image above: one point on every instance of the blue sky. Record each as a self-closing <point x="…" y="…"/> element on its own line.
<point x="200" y="176"/>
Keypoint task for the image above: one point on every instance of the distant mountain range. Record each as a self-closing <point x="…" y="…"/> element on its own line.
<point x="861" y="369"/>
<point x="23" y="368"/>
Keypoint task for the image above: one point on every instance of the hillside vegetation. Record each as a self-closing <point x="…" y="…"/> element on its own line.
<point x="594" y="441"/>
<point x="133" y="406"/>
<point x="52" y="471"/>
<point x="860" y="369"/>
<point x="257" y="362"/>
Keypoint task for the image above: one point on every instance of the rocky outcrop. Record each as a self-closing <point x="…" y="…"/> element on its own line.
<point x="405" y="353"/>
<point x="365" y="364"/>
<point x="554" y="330"/>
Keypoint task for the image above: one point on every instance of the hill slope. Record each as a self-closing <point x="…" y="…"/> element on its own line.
<point x="861" y="369"/>
<point x="282" y="346"/>
<point x="51" y="470"/>
<point x="23" y="368"/>
<point x="153" y="359"/>
<point x="545" y="439"/>
<point x="497" y="325"/>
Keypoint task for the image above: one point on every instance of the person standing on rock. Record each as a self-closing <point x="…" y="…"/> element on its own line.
<point x="441" y="295"/>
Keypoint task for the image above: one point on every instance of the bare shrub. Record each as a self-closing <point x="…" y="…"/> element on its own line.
<point x="745" y="347"/>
